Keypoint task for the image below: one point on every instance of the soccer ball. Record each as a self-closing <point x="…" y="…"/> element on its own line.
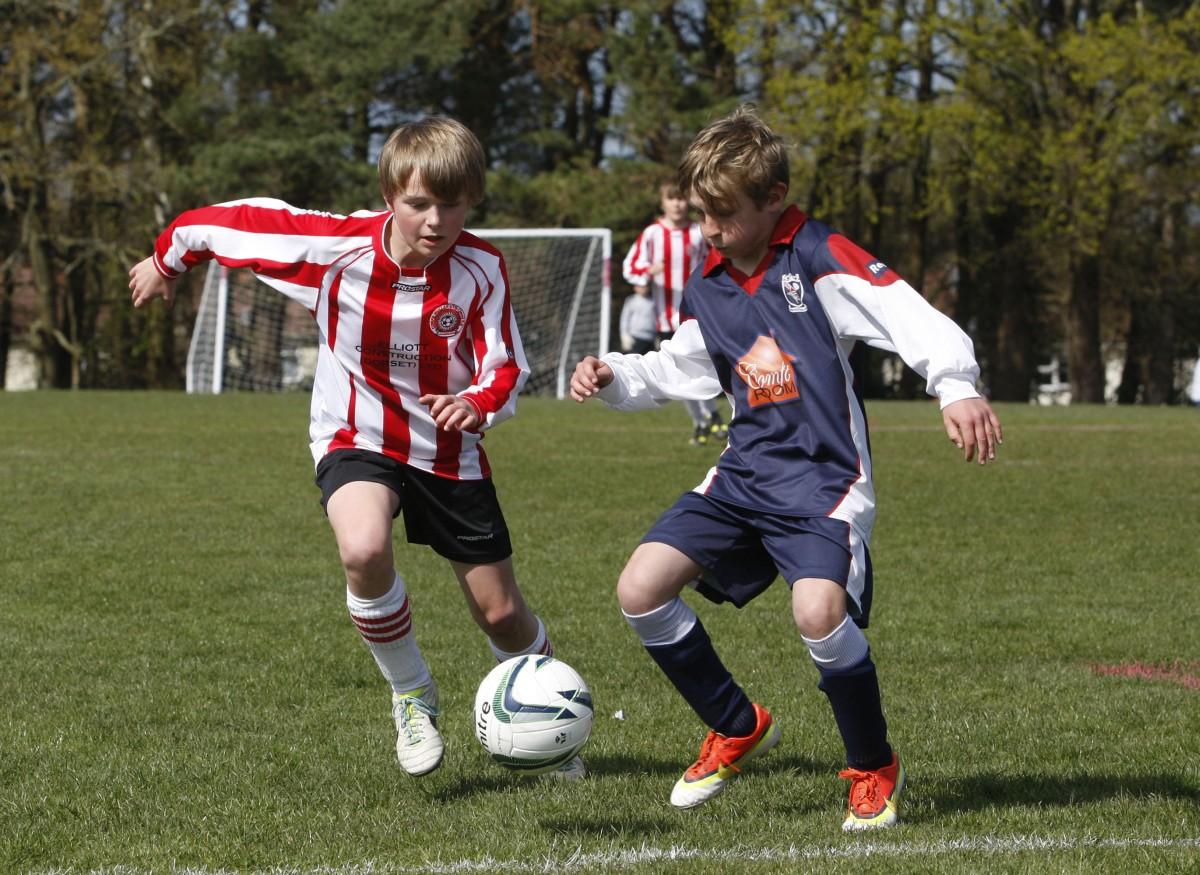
<point x="533" y="713"/>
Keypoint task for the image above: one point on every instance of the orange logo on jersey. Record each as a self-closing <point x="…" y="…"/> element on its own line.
<point x="767" y="371"/>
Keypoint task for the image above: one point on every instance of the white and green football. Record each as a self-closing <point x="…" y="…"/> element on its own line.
<point x="533" y="713"/>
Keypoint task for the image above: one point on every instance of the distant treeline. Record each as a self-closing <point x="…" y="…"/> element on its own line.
<point x="1033" y="166"/>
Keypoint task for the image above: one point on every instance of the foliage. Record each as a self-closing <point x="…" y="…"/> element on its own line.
<point x="1031" y="166"/>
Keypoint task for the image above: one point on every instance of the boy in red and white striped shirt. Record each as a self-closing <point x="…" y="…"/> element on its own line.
<point x="419" y="355"/>
<point x="663" y="257"/>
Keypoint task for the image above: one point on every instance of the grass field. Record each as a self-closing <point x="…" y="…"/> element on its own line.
<point x="183" y="691"/>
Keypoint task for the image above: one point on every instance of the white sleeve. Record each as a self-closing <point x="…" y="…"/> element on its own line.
<point x="680" y="370"/>
<point x="897" y="319"/>
<point x="287" y="248"/>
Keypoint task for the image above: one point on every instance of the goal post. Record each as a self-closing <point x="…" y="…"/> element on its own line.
<point x="250" y="337"/>
<point x="561" y="285"/>
<point x="204" y="373"/>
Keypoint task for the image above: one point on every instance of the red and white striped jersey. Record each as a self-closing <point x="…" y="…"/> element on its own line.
<point x="680" y="251"/>
<point x="388" y="334"/>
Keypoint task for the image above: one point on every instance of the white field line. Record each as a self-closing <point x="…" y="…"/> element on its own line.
<point x="622" y="859"/>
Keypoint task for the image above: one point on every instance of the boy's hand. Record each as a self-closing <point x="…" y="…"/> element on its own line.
<point x="974" y="428"/>
<point x="147" y="283"/>
<point x="451" y="412"/>
<point x="591" y="375"/>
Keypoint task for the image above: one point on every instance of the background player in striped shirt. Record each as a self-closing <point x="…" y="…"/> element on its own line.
<point x="661" y="259"/>
<point x="778" y="306"/>
<point x="419" y="355"/>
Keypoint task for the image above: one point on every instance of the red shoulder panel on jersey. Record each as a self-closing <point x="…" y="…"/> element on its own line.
<point x="466" y="238"/>
<point x="856" y="261"/>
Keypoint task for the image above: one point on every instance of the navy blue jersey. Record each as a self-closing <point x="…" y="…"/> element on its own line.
<point x="777" y="343"/>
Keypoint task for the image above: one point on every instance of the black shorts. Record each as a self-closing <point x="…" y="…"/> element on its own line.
<point x="460" y="519"/>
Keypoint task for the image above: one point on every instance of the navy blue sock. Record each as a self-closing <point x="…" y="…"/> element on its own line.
<point x="858" y="711"/>
<point x="692" y="665"/>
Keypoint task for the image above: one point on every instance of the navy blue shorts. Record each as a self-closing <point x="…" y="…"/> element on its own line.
<point x="460" y="519"/>
<point x="742" y="551"/>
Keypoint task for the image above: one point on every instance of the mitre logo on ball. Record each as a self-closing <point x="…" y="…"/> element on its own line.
<point x="533" y="714"/>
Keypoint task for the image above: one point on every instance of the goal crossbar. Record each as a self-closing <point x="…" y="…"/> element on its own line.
<point x="249" y="337"/>
<point x="601" y="236"/>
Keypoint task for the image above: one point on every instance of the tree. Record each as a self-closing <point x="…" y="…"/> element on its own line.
<point x="859" y="88"/>
<point x="1102" y="80"/>
<point x="78" y="171"/>
<point x="1030" y="166"/>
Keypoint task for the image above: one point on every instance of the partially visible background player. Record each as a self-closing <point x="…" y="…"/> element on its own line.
<point x="638" y="329"/>
<point x="778" y="305"/>
<point x="419" y="355"/>
<point x="1194" y="386"/>
<point x="661" y="260"/>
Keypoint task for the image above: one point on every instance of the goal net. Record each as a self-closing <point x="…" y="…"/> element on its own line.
<point x="250" y="337"/>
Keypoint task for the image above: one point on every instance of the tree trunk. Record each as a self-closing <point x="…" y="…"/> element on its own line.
<point x="1159" y="374"/>
<point x="1085" y="366"/>
<point x="54" y="362"/>
<point x="6" y="296"/>
<point x="1015" y="367"/>
<point x="1131" y="371"/>
<point x="911" y="385"/>
<point x="996" y="297"/>
<point x="1148" y="374"/>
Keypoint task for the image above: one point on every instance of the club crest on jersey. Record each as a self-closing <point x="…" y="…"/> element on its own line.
<point x="793" y="293"/>
<point x="446" y="320"/>
<point x="768" y="374"/>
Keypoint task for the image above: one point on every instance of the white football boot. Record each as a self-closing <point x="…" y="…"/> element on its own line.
<point x="419" y="745"/>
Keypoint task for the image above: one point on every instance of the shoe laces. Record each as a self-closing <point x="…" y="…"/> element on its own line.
<point x="712" y="756"/>
<point x="864" y="789"/>
<point x="414" y="715"/>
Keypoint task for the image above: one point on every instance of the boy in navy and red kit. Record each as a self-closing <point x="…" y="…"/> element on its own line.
<point x="419" y="356"/>
<point x="771" y="318"/>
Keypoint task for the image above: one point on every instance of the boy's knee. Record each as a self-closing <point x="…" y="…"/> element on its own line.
<point x="818" y="607"/>
<point x="654" y="575"/>
<point x="365" y="556"/>
<point x="636" y="590"/>
<point x="501" y="619"/>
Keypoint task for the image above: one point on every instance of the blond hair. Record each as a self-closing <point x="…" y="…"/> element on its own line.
<point x="737" y="154"/>
<point x="445" y="154"/>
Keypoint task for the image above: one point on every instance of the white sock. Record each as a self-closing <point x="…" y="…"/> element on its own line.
<point x="664" y="625"/>
<point x="843" y="648"/>
<point x="540" y="645"/>
<point x="385" y="625"/>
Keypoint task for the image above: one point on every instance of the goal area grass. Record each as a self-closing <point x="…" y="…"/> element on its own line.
<point x="184" y="692"/>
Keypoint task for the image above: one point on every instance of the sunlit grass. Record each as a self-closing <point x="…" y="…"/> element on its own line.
<point x="182" y="688"/>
